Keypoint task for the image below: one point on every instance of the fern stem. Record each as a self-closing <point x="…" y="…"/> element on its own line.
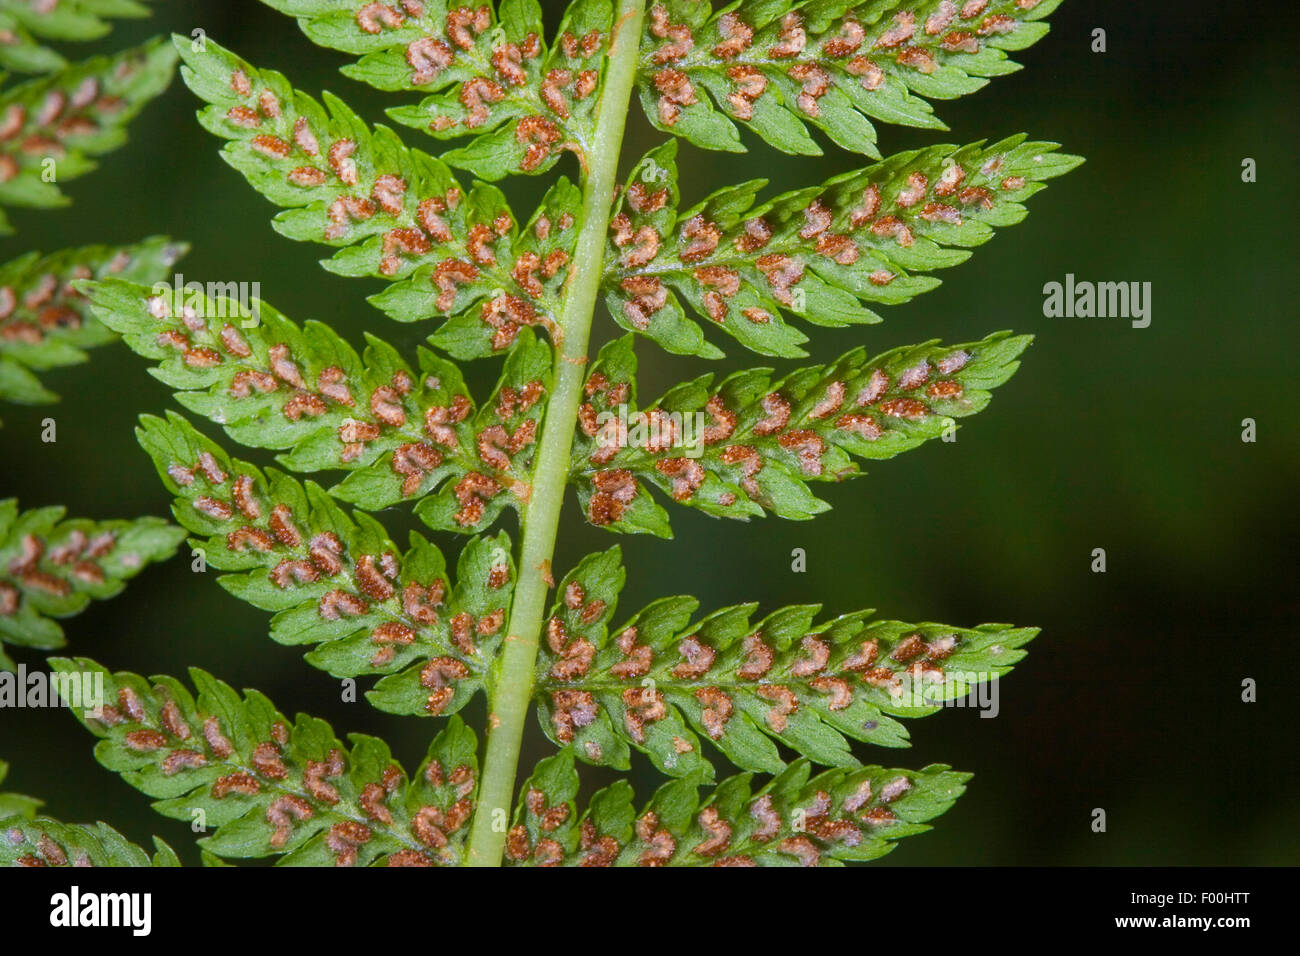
<point x="513" y="688"/>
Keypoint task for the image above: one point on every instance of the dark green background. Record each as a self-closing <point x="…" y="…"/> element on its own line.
<point x="1108" y="437"/>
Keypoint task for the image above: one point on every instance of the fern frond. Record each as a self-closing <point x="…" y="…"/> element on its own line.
<point x="29" y="840"/>
<point x="818" y="253"/>
<point x="44" y="321"/>
<point x="70" y="20"/>
<point x="47" y="842"/>
<point x="16" y="804"/>
<point x="51" y="127"/>
<point x="752" y="444"/>
<point x="23" y="23"/>
<point x="666" y="676"/>
<point x="490" y="73"/>
<point x="795" y="820"/>
<point x="275" y="788"/>
<point x="775" y="694"/>
<point x="395" y="213"/>
<point x="780" y="66"/>
<point x="52" y="568"/>
<point x="402" y="433"/>
<point x="337" y="580"/>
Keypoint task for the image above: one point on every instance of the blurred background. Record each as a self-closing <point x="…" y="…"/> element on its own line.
<point x="1108" y="437"/>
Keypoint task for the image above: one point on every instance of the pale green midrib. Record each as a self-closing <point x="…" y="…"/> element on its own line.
<point x="511" y="699"/>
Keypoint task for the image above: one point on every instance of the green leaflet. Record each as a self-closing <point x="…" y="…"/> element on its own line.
<point x="15" y="804"/>
<point x="489" y="73"/>
<point x="795" y="820"/>
<point x="666" y="678"/>
<point x="402" y="433"/>
<point x="44" y="321"/>
<point x="268" y="787"/>
<point x="24" y="24"/>
<point x="541" y="255"/>
<point x="42" y="841"/>
<point x="66" y="20"/>
<point x="337" y="580"/>
<point x="29" y="840"/>
<point x="752" y="443"/>
<point x="394" y="213"/>
<point x="24" y="53"/>
<point x="59" y="122"/>
<point x="52" y="568"/>
<point x="780" y="66"/>
<point x="818" y="253"/>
